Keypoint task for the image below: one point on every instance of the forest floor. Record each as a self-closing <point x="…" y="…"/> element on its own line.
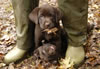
<point x="8" y="37"/>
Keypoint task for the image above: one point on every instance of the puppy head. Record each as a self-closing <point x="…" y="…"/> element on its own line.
<point x="48" y="50"/>
<point x="46" y="16"/>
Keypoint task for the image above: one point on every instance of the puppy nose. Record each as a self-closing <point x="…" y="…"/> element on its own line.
<point x="47" y="23"/>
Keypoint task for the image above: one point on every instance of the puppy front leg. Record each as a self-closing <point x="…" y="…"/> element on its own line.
<point x="37" y="36"/>
<point x="58" y="44"/>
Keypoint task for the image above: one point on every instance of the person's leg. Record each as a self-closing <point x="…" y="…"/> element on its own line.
<point x="75" y="24"/>
<point x="24" y="29"/>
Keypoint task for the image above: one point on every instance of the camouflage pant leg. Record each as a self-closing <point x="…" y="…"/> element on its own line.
<point x="75" y="20"/>
<point x="24" y="27"/>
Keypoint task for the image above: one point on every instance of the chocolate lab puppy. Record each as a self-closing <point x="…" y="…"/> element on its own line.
<point x="47" y="28"/>
<point x="46" y="55"/>
<point x="46" y="52"/>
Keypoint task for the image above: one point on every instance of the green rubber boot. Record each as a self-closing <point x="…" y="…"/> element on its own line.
<point x="24" y="29"/>
<point x="14" y="55"/>
<point x="76" y="54"/>
<point x="75" y="24"/>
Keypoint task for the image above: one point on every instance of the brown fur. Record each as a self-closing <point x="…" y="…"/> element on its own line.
<point x="46" y="17"/>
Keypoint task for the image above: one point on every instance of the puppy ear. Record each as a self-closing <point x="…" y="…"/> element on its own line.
<point x="59" y="14"/>
<point x="33" y="16"/>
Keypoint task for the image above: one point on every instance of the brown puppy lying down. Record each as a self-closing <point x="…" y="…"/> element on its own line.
<point x="46" y="52"/>
<point x="46" y="55"/>
<point x="47" y="27"/>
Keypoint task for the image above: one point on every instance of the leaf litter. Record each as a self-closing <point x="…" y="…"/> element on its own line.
<point x="8" y="38"/>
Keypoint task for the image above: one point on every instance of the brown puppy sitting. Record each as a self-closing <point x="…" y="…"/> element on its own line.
<point x="46" y="19"/>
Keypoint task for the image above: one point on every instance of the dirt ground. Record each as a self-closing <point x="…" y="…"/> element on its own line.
<point x="8" y="38"/>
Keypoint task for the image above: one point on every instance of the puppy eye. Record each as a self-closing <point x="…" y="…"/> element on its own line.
<point x="41" y="17"/>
